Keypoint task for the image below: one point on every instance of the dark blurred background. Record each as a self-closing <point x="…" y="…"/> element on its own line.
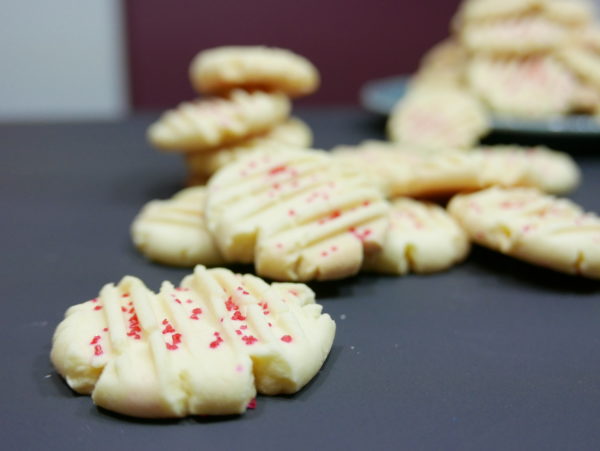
<point x="349" y="41"/>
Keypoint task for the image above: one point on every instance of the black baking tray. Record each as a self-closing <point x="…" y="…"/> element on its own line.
<point x="492" y="354"/>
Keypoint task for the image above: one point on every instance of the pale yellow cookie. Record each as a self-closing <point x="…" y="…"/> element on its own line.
<point x="207" y="124"/>
<point x="477" y="11"/>
<point x="438" y="116"/>
<point x="402" y="170"/>
<point x="218" y="70"/>
<point x="574" y="13"/>
<point x="533" y="87"/>
<point x="537" y="228"/>
<point x="291" y="133"/>
<point x="444" y="63"/>
<point x="297" y="214"/>
<point x="539" y="167"/>
<point x="203" y="348"/>
<point x="585" y="63"/>
<point x="173" y="232"/>
<point x="524" y="35"/>
<point x="422" y="238"/>
<point x="409" y="171"/>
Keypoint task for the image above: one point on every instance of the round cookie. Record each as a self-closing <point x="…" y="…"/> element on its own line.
<point x="422" y="238"/>
<point x="540" y="167"/>
<point x="202" y="348"/>
<point x="438" y="117"/>
<point x="534" y="227"/>
<point x="221" y="69"/>
<point x="173" y="231"/>
<point x="291" y="133"/>
<point x="533" y="87"/>
<point x="519" y="36"/>
<point x="207" y="124"/>
<point x="297" y="214"/>
<point x="402" y="170"/>
<point x="477" y="11"/>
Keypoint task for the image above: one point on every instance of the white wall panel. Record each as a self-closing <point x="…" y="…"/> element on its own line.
<point x="61" y="59"/>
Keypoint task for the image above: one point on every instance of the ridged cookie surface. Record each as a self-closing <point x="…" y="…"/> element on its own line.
<point x="409" y="171"/>
<point x="173" y="231"/>
<point x="203" y="348"/>
<point x="526" y="224"/>
<point x="291" y="133"/>
<point x="297" y="214"/>
<point x="422" y="238"/>
<point x="215" y="122"/>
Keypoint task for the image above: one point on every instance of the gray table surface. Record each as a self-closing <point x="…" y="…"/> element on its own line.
<point x="493" y="354"/>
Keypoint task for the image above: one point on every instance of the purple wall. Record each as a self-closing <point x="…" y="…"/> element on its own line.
<point x="350" y="41"/>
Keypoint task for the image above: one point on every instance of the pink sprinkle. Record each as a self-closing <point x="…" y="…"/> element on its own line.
<point x="252" y="404"/>
<point x="244" y="327"/>
<point x="98" y="350"/>
<point x="237" y="316"/>
<point x="188" y="301"/>
<point x="277" y="169"/>
<point x="324" y="254"/>
<point x="239" y="368"/>
<point x="93" y="300"/>
<point x="249" y="339"/>
<point x="105" y="329"/>
<point x="286" y="338"/>
<point x="292" y="212"/>
<point x="293" y="292"/>
<point x="279" y="245"/>
<point x="178" y="300"/>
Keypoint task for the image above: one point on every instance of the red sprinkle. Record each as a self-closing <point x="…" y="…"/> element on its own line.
<point x="249" y="339"/>
<point x="197" y="311"/>
<point x="98" y="350"/>
<point x="277" y="169"/>
<point x="125" y="295"/>
<point x="252" y="404"/>
<point x="95" y="340"/>
<point x="214" y="344"/>
<point x="237" y="316"/>
<point x="286" y="338"/>
<point x="98" y="307"/>
<point x="230" y="305"/>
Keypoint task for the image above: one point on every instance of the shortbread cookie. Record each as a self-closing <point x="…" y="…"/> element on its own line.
<point x="173" y="231"/>
<point x="574" y="13"/>
<point x="422" y="238"/>
<point x="585" y="63"/>
<point x="218" y="70"/>
<point x="409" y="171"/>
<point x="203" y="348"/>
<point x="515" y="36"/>
<point x="477" y="11"/>
<point x="526" y="224"/>
<point x="291" y="133"/>
<point x="438" y="117"/>
<point x="539" y="167"/>
<point x="207" y="124"/>
<point x="442" y="64"/>
<point x="297" y="214"/>
<point x="402" y="170"/>
<point x="533" y="87"/>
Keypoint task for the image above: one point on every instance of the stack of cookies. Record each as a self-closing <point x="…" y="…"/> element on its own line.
<point x="246" y="104"/>
<point x="528" y="59"/>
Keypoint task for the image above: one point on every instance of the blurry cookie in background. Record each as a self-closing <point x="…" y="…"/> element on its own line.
<point x="530" y="87"/>
<point x="218" y="70"/>
<point x="431" y="115"/>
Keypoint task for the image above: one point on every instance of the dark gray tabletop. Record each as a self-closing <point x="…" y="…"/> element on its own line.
<point x="493" y="354"/>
